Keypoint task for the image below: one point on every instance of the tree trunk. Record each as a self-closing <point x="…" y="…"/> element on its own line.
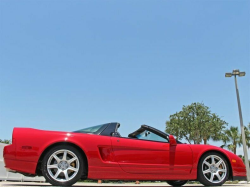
<point x="234" y="149"/>
<point x="205" y="141"/>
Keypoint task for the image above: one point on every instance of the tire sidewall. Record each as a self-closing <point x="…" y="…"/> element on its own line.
<point x="202" y="178"/>
<point x="47" y="175"/>
<point x="175" y="183"/>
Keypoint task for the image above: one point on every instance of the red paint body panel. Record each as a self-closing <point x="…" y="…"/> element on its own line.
<point x="115" y="157"/>
<point x="149" y="157"/>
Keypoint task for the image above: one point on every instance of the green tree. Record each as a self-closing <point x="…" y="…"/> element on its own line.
<point x="233" y="136"/>
<point x="5" y="141"/>
<point x="196" y="123"/>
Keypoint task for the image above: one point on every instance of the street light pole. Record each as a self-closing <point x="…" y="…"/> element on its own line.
<point x="235" y="73"/>
<point x="242" y="130"/>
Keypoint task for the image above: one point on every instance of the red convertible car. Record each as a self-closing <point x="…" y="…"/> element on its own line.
<point x="100" y="152"/>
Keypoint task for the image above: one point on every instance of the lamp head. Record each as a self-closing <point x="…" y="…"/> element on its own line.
<point x="242" y="74"/>
<point x="235" y="72"/>
<point x="228" y="75"/>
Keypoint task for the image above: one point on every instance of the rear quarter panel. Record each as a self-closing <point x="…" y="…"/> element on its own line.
<point x="31" y="143"/>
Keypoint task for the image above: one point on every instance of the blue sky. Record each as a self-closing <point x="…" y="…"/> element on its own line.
<point x="65" y="65"/>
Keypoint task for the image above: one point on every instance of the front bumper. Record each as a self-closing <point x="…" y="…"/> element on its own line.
<point x="239" y="173"/>
<point x="239" y="178"/>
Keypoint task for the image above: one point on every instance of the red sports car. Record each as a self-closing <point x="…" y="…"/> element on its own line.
<point x="100" y="152"/>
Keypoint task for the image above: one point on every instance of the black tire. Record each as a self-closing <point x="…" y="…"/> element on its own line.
<point x="48" y="173"/>
<point x="177" y="183"/>
<point x="203" y="178"/>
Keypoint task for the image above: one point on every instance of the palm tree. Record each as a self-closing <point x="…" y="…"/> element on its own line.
<point x="233" y="136"/>
<point x="247" y="135"/>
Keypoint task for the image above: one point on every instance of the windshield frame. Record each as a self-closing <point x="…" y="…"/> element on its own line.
<point x="153" y="130"/>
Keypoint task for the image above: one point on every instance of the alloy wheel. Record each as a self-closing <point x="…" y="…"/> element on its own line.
<point x="214" y="169"/>
<point x="63" y="165"/>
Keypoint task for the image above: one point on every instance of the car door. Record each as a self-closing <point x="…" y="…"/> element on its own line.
<point x="151" y="157"/>
<point x="140" y="156"/>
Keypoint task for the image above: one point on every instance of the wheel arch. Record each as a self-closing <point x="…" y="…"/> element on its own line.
<point x="38" y="168"/>
<point x="224" y="155"/>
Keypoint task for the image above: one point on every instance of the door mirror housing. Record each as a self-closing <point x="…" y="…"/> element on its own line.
<point x="172" y="140"/>
<point x="116" y="134"/>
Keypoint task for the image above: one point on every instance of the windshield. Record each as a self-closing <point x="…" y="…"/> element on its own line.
<point x="93" y="130"/>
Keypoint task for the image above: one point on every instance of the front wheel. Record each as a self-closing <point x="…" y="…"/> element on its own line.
<point x="213" y="169"/>
<point x="62" y="165"/>
<point x="177" y="183"/>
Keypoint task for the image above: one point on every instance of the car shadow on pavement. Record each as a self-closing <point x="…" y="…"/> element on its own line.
<point x="105" y="185"/>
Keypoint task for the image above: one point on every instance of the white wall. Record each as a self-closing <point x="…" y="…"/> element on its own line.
<point x="4" y="175"/>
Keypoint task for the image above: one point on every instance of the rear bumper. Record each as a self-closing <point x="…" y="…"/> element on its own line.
<point x="14" y="165"/>
<point x="9" y="151"/>
<point x="20" y="166"/>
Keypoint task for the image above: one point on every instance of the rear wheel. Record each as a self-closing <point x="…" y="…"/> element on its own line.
<point x="62" y="165"/>
<point x="213" y="169"/>
<point x="177" y="183"/>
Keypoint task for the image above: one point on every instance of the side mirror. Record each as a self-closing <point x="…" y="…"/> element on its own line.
<point x="116" y="134"/>
<point x="172" y="140"/>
